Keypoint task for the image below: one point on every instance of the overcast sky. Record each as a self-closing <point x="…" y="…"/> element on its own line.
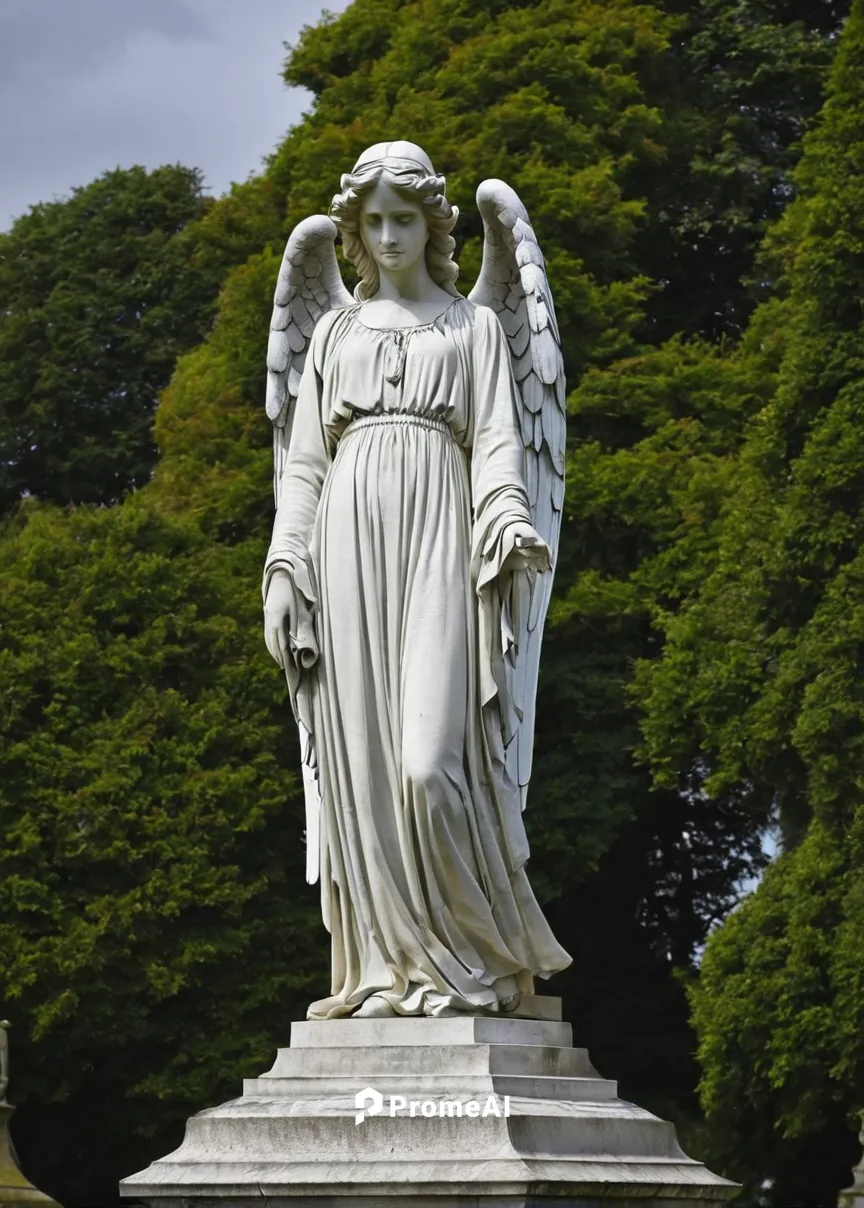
<point x="87" y="85"/>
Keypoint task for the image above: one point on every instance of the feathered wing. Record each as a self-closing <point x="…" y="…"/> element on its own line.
<point x="309" y="285"/>
<point x="514" y="284"/>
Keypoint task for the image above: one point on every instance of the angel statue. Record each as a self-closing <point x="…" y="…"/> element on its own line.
<point x="419" y="479"/>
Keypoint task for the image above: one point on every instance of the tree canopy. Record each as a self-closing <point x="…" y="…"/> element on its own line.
<point x="761" y="682"/>
<point x="99" y="295"/>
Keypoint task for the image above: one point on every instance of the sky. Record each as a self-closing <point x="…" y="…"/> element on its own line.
<point x="89" y="85"/>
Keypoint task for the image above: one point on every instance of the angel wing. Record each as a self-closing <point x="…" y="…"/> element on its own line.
<point x="309" y="285"/>
<point x="514" y="284"/>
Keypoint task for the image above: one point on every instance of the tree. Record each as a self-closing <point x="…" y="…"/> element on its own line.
<point x="746" y="80"/>
<point x="760" y="682"/>
<point x="99" y="294"/>
<point x="153" y="937"/>
<point x="779" y="1006"/>
<point x="741" y="661"/>
<point x="154" y="940"/>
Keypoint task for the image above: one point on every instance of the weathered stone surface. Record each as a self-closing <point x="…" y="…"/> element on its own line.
<point x="538" y="1006"/>
<point x="292" y="1138"/>
<point x="411" y="1201"/>
<point x="465" y="1029"/>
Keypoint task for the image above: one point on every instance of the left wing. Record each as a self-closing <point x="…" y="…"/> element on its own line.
<point x="514" y="284"/>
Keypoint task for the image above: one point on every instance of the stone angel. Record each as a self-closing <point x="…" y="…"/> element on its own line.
<point x="419" y="478"/>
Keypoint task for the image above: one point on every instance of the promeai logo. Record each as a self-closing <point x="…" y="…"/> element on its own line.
<point x="370" y="1102"/>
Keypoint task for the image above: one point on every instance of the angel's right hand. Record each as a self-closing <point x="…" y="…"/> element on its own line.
<point x="280" y="616"/>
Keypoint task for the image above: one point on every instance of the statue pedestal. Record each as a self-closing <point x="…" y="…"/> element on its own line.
<point x="15" y="1190"/>
<point x="437" y="1134"/>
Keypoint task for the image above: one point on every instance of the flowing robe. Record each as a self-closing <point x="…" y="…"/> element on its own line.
<point x="403" y="477"/>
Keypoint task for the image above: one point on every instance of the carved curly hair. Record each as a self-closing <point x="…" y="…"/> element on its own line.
<point x="414" y="182"/>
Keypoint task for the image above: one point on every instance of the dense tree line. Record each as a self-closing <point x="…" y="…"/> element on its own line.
<point x="761" y="681"/>
<point x="701" y="665"/>
<point x="101" y="293"/>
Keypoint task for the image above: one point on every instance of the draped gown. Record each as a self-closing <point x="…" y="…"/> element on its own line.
<point x="404" y="471"/>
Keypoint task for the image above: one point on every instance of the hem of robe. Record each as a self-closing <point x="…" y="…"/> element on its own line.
<point x="425" y="1001"/>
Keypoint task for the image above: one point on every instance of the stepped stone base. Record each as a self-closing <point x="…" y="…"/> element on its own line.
<point x="292" y="1140"/>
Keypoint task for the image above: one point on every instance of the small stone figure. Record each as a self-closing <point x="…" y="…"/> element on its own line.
<point x="16" y="1190"/>
<point x="4" y="1058"/>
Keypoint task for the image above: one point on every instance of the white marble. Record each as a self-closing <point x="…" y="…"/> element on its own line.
<point x="466" y="1029"/>
<point x="292" y="1136"/>
<point x="419" y="442"/>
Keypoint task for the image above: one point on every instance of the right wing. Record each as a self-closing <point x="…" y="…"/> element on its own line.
<point x="309" y="285"/>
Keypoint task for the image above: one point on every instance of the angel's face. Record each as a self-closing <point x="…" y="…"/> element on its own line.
<point x="393" y="228"/>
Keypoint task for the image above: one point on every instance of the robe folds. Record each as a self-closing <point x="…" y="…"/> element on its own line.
<point x="403" y="477"/>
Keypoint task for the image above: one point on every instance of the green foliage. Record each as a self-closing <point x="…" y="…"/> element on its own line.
<point x="151" y="824"/>
<point x="741" y="669"/>
<point x="99" y="294"/>
<point x="644" y="497"/>
<point x="749" y="80"/>
<point x="549" y="95"/>
<point x="779" y="1007"/>
<point x="154" y="932"/>
<point x="760" y="686"/>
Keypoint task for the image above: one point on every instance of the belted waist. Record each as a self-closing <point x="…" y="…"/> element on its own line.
<point x="396" y="417"/>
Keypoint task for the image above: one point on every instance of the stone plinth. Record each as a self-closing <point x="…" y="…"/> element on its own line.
<point x="292" y="1137"/>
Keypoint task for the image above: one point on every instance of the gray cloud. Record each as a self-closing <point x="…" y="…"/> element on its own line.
<point x="70" y="37"/>
<point x="87" y="85"/>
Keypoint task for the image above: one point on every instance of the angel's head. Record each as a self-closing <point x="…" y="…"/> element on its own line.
<point x="391" y="211"/>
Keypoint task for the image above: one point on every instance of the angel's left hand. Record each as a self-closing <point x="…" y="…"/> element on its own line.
<point x="529" y="552"/>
